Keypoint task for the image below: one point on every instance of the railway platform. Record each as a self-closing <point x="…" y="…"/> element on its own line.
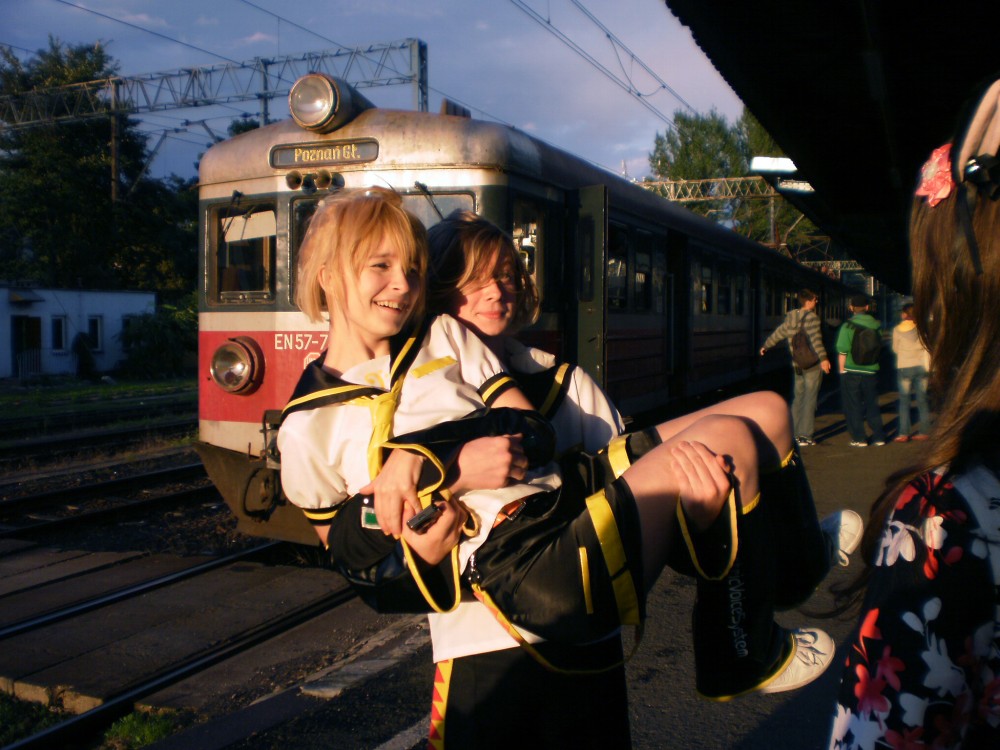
<point x="665" y="711"/>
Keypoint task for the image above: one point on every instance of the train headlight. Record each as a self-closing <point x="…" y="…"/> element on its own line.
<point x="322" y="104"/>
<point x="238" y="366"/>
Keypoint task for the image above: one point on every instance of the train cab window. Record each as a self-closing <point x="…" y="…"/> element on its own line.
<point x="423" y="205"/>
<point x="643" y="279"/>
<point x="724" y="299"/>
<point x="768" y="298"/>
<point x="617" y="268"/>
<point x="245" y="254"/>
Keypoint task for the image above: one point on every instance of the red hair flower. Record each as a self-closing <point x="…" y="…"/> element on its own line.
<point x="935" y="176"/>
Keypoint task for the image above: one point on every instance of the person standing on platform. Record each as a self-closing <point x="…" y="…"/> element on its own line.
<point x="923" y="665"/>
<point x="858" y="348"/>
<point x="912" y="364"/>
<point x="801" y="329"/>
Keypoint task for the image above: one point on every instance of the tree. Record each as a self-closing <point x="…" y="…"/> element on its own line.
<point x="699" y="147"/>
<point x="703" y="147"/>
<point x="58" y="223"/>
<point x="774" y="222"/>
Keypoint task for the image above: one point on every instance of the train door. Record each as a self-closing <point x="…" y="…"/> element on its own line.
<point x="589" y="269"/>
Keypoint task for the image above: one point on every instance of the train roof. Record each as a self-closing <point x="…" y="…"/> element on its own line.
<point x="421" y="140"/>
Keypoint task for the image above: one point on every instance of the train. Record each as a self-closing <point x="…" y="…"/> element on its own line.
<point x="657" y="303"/>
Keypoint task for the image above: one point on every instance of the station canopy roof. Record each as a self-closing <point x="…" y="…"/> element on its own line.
<point x="857" y="93"/>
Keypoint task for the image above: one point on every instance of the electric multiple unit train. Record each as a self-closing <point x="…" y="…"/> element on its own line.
<point x="657" y="303"/>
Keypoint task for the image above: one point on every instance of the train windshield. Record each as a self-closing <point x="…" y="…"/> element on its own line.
<point x="244" y="261"/>
<point x="420" y="205"/>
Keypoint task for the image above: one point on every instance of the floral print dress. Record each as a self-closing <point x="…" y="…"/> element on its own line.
<point x="923" y="666"/>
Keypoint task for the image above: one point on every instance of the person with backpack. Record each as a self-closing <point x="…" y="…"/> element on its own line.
<point x="801" y="329"/>
<point x="859" y="345"/>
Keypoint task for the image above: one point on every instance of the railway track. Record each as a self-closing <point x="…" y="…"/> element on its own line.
<point x="102" y="653"/>
<point x="45" y="450"/>
<point x="54" y="509"/>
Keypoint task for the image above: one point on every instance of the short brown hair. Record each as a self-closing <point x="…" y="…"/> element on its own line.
<point x="462" y="249"/>
<point x="346" y="227"/>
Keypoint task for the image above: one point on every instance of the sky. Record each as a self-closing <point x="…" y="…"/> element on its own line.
<point x="498" y="57"/>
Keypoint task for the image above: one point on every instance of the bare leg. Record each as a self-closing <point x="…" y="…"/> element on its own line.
<point x="766" y="414"/>
<point x="664" y="474"/>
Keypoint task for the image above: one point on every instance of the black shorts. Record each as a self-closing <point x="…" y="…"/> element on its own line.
<point x="568" y="567"/>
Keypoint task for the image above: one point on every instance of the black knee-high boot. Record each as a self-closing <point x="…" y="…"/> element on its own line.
<point x="737" y="645"/>
<point x="802" y="554"/>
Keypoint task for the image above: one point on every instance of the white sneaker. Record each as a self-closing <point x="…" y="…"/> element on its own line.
<point x="814" y="651"/>
<point x="843" y="531"/>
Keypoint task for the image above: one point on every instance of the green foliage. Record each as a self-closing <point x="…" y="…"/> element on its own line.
<point x="58" y="223"/>
<point x="137" y="730"/>
<point x="702" y="147"/>
<point x="162" y="344"/>
<point x="698" y="147"/>
<point x="20" y="719"/>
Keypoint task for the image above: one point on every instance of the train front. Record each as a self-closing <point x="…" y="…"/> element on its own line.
<point x="256" y="193"/>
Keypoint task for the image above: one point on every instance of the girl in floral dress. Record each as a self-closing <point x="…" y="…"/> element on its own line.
<point x="923" y="666"/>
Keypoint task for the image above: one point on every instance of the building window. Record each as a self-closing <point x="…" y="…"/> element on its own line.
<point x="59" y="342"/>
<point x="95" y="333"/>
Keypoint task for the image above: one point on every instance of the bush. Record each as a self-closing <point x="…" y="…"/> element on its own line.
<point x="160" y="344"/>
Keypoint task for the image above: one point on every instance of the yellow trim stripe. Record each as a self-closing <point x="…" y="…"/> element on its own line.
<point x="729" y="507"/>
<point x="429" y="455"/>
<point x="320" y="515"/>
<point x="439" y="705"/>
<point x="428" y="367"/>
<point x="557" y="385"/>
<point x="588" y="594"/>
<point x="613" y="550"/>
<point x="321" y="394"/>
<point x="401" y="357"/>
<point x="751" y="505"/>
<point x="618" y="455"/>
<point x="784" y="462"/>
<point x="763" y="683"/>
<point x="501" y="382"/>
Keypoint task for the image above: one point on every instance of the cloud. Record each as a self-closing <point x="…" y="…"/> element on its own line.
<point x="256" y="38"/>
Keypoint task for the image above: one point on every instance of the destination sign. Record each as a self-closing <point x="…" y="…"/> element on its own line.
<point x="324" y="154"/>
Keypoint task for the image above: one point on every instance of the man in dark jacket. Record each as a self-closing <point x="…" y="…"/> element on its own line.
<point x="807" y="380"/>
<point x="858" y="380"/>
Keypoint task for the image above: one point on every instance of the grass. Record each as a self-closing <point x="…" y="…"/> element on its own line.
<point x="20" y="719"/>
<point x="138" y="729"/>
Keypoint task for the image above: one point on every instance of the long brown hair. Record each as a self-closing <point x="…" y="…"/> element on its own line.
<point x="957" y="312"/>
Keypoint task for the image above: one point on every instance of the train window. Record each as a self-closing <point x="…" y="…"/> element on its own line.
<point x="705" y="289"/>
<point x="245" y="254"/>
<point x="617" y="268"/>
<point x="768" y="298"/>
<point x="659" y="280"/>
<point x="643" y="280"/>
<point x="724" y="298"/>
<point x="537" y="233"/>
<point x="740" y="295"/>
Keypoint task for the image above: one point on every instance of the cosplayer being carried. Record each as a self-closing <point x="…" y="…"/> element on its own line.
<point x="402" y="414"/>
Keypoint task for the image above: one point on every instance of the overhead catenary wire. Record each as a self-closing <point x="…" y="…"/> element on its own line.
<point x="594" y="62"/>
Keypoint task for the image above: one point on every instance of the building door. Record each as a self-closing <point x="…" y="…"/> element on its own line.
<point x="26" y="345"/>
